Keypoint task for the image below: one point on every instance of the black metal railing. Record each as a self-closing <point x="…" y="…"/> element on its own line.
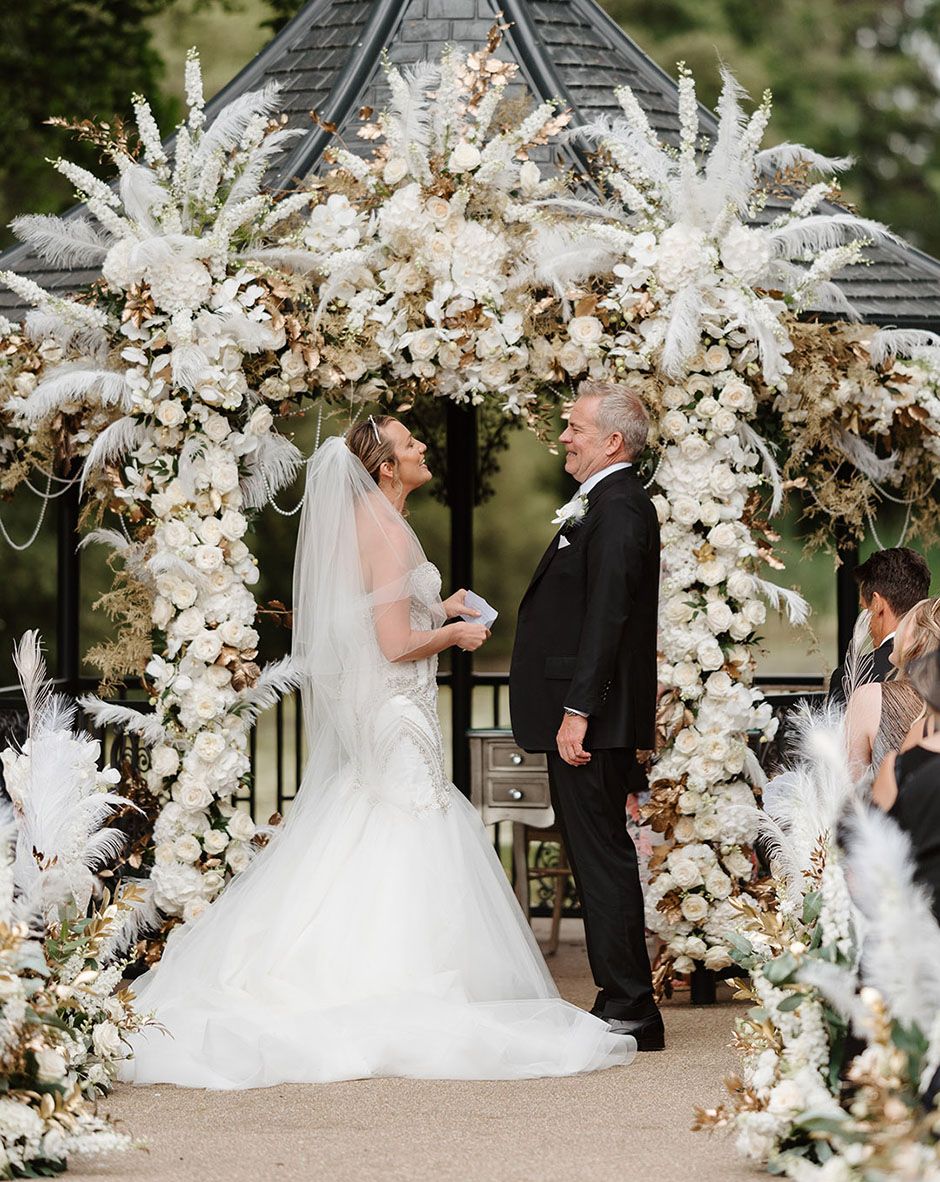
<point x="276" y="743"/>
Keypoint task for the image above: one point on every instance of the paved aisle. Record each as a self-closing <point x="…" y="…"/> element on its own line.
<point x="621" y="1125"/>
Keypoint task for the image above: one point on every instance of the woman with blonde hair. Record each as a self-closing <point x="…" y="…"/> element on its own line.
<point x="880" y="714"/>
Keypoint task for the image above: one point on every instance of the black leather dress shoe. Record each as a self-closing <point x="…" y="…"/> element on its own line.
<point x="649" y="1033"/>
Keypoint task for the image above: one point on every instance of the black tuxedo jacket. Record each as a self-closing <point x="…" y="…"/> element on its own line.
<point x="878" y="671"/>
<point x="586" y="634"/>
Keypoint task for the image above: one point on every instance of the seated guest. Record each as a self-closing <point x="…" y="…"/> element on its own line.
<point x="890" y="582"/>
<point x="908" y="785"/>
<point x="880" y="714"/>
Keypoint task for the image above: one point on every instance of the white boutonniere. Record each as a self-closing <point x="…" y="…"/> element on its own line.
<point x="573" y="512"/>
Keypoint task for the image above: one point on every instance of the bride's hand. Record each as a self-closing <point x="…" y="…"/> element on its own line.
<point x="456" y="605"/>
<point x="469" y="637"/>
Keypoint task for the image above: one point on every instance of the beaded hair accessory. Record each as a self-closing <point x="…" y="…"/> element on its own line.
<point x="375" y="430"/>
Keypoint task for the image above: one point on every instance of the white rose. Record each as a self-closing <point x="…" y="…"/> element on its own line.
<point x="685" y="675"/>
<point x="50" y="1065"/>
<point x="194" y="908"/>
<point x="106" y="1040"/>
<point x="163" y="853"/>
<point x="685" y="509"/>
<point x="194" y="795"/>
<point x="684" y="830"/>
<point x="724" y="422"/>
<point x="674" y="397"/>
<point x="715" y="748"/>
<point x="754" y="612"/>
<point x="711" y="574"/>
<point x="223" y="476"/>
<point x="740" y="585"/>
<point x="232" y="633"/>
<point x="689" y="802"/>
<point x="585" y="330"/>
<point x="183" y="594"/>
<point x="170" y="412"/>
<point x="164" y="760"/>
<point x="738" y="864"/>
<point x="217" y="427"/>
<point x="208" y="558"/>
<point x="206" y="646"/>
<point x="685" y="872"/>
<point x="694" y="908"/>
<point x="719" y="685"/>
<point x="237" y="855"/>
<point x="674" y="424"/>
<point x="176" y="535"/>
<point x="706" y="407"/>
<point x="422" y="345"/>
<point x="686" y="741"/>
<point x="677" y="610"/>
<point x="187" y="848"/>
<point x="210" y="531"/>
<point x="683" y="964"/>
<point x="241" y="827"/>
<point x="717" y="358"/>
<point x="464" y="158"/>
<point x="723" y="536"/>
<point x="718" y="884"/>
<point x="209" y="746"/>
<point x="737" y="396"/>
<point x="695" y="947"/>
<point x="719" y="616"/>
<point x="717" y="958"/>
<point x="722" y="480"/>
<point x="395" y="170"/>
<point x="710" y="513"/>
<point x="694" y="448"/>
<point x="189" y="623"/>
<point x="438" y="208"/>
<point x="260" y="422"/>
<point x="571" y="358"/>
<point x="707" y="827"/>
<point x="709" y="655"/>
<point x="215" y="841"/>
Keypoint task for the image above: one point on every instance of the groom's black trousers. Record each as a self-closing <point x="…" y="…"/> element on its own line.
<point x="590" y="805"/>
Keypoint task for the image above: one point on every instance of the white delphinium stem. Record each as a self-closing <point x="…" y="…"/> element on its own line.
<point x="486" y="109"/>
<point x="150" y="137"/>
<point x="195" y="98"/>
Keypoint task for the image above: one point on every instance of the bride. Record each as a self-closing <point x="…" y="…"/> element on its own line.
<point x="376" y="934"/>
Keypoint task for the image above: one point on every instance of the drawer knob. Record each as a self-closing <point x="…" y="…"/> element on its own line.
<point x="516" y="793"/>
<point x="517" y="759"/>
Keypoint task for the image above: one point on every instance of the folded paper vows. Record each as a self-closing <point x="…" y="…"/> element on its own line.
<point x="488" y="615"/>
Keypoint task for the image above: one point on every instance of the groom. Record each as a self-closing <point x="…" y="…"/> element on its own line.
<point x="583" y="687"/>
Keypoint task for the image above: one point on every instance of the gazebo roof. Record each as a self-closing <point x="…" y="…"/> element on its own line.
<point x="328" y="59"/>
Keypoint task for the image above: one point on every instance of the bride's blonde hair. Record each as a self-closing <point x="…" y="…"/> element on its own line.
<point x="370" y="447"/>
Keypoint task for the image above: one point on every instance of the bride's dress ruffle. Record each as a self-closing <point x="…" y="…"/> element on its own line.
<point x="378" y="937"/>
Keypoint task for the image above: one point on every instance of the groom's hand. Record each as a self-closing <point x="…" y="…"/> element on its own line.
<point x="570" y="740"/>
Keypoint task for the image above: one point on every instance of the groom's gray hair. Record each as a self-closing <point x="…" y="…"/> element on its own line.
<point x="621" y="410"/>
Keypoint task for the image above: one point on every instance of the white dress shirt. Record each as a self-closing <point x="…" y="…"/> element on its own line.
<point x="583" y="491"/>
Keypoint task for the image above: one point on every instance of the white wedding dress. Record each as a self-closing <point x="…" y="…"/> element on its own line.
<point x="376" y="935"/>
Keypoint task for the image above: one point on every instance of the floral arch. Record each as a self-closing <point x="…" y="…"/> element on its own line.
<point x="446" y="266"/>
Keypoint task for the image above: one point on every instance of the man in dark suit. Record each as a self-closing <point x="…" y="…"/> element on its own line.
<point x="890" y="582"/>
<point x="583" y="687"/>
